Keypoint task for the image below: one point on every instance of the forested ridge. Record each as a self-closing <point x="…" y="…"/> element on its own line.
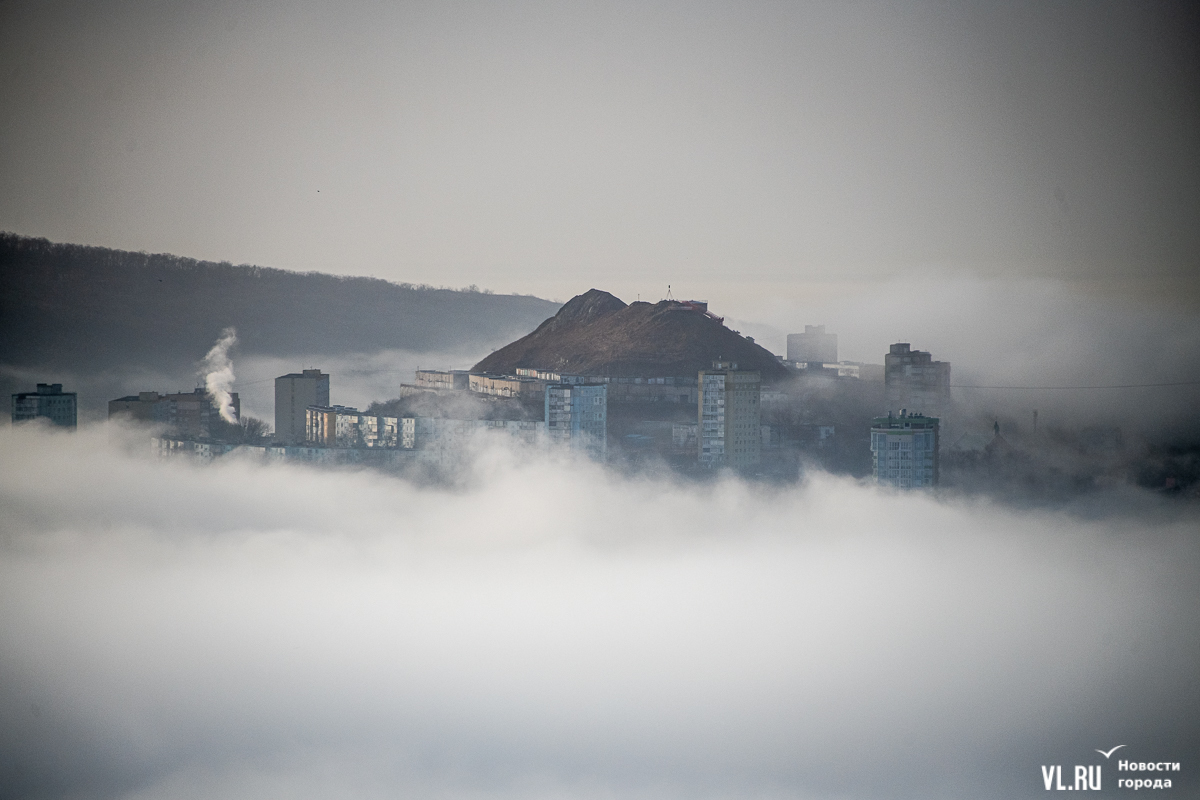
<point x="81" y="307"/>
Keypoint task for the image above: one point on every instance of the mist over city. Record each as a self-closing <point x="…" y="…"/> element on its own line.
<point x="534" y="400"/>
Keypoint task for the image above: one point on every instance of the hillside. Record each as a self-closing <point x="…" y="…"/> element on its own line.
<point x="66" y="306"/>
<point x="597" y="334"/>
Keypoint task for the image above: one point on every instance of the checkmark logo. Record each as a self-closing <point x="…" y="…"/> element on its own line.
<point x="1110" y="752"/>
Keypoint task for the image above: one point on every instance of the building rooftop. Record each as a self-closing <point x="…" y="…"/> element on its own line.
<point x="904" y="420"/>
<point x="44" y="389"/>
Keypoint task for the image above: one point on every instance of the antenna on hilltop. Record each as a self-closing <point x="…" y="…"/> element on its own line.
<point x="669" y="292"/>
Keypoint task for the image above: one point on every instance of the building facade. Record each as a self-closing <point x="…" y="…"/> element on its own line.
<point x="443" y="380"/>
<point x="912" y="379"/>
<point x="138" y="407"/>
<point x="683" y="437"/>
<point x="666" y="389"/>
<point x="187" y="414"/>
<point x="174" y="447"/>
<point x="454" y="436"/>
<point x="529" y="383"/>
<point x="814" y="346"/>
<point x="341" y="426"/>
<point x="550" y="376"/>
<point x="577" y="415"/>
<point x="294" y="393"/>
<point x="730" y="413"/>
<point x="904" y="450"/>
<point x="505" y="385"/>
<point x="50" y="402"/>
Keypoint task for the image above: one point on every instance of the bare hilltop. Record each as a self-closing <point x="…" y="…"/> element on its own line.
<point x="596" y="333"/>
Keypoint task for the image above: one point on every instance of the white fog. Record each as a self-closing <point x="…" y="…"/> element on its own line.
<point x="547" y="629"/>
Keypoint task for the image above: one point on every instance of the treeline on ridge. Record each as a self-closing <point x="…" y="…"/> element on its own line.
<point x="79" y="307"/>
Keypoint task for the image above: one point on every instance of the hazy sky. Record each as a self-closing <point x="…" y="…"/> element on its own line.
<point x="740" y="152"/>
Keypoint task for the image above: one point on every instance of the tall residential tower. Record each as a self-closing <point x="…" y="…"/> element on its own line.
<point x="729" y="416"/>
<point x="913" y="380"/>
<point x="904" y="450"/>
<point x="294" y="393"/>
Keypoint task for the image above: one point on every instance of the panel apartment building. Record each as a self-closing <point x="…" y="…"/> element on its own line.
<point x="50" y="402"/>
<point x="342" y="426"/>
<point x="728" y="433"/>
<point x="577" y="415"/>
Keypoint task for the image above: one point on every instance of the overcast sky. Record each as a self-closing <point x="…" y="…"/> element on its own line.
<point x="740" y="152"/>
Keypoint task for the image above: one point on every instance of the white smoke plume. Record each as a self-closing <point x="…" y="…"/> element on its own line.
<point x="218" y="375"/>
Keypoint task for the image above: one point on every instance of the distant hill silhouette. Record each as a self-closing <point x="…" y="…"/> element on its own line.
<point x="598" y="334"/>
<point x="75" y="307"/>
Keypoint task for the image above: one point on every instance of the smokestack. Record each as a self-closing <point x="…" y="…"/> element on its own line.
<point x="218" y="375"/>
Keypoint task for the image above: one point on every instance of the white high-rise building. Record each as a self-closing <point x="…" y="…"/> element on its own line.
<point x="904" y="450"/>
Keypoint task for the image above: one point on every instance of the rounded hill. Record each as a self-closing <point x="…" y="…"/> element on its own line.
<point x="598" y="334"/>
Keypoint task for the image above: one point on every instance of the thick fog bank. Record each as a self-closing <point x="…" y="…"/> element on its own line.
<point x="1016" y="338"/>
<point x="551" y="629"/>
<point x="1015" y="347"/>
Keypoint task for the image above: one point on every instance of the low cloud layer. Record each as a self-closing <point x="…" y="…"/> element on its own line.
<point x="548" y="629"/>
